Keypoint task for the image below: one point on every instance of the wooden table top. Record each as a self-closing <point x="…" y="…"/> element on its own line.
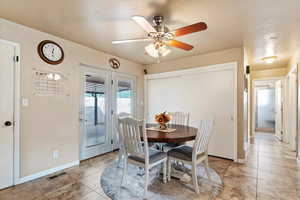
<point x="181" y="134"/>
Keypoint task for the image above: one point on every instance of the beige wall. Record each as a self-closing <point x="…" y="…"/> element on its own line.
<point x="268" y="73"/>
<point x="51" y="123"/>
<point x="230" y="55"/>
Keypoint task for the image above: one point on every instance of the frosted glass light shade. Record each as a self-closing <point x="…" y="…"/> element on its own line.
<point x="156" y="50"/>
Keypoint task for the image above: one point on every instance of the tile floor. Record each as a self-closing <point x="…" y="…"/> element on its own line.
<point x="270" y="173"/>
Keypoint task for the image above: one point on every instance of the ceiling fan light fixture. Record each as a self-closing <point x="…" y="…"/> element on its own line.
<point x="157" y="50"/>
<point x="269" y="59"/>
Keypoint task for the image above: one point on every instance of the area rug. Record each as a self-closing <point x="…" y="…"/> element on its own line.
<point x="133" y="186"/>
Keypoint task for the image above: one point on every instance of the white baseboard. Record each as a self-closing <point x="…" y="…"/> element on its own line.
<point x="242" y="161"/>
<point x="47" y="172"/>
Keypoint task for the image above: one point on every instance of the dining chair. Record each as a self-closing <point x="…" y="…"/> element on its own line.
<point x="136" y="149"/>
<point x="121" y="148"/>
<point x="196" y="154"/>
<point x="180" y="118"/>
<point x="177" y="118"/>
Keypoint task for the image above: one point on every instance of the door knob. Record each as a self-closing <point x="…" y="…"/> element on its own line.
<point x="7" y="123"/>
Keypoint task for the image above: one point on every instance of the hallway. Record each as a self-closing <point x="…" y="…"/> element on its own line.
<point x="271" y="172"/>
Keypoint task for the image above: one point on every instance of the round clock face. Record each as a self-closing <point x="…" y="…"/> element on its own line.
<point x="51" y="52"/>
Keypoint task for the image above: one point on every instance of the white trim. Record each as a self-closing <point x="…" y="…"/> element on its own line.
<point x="47" y="172"/>
<point x="292" y="70"/>
<point x="242" y="161"/>
<point x="17" y="100"/>
<point x="191" y="71"/>
<point x="210" y="68"/>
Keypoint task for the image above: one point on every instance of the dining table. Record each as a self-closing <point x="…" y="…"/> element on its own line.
<point x="178" y="134"/>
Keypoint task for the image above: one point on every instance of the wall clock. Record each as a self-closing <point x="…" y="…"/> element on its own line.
<point x="50" y="52"/>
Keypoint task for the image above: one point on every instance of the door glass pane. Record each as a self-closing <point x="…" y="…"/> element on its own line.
<point x="95" y="110"/>
<point x="265" y="113"/>
<point x="124" y="97"/>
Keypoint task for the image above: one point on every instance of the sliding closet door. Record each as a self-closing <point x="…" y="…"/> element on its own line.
<point x="95" y="113"/>
<point x="124" y="99"/>
<point x="206" y="93"/>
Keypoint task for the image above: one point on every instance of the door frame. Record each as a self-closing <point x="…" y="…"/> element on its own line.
<point x="209" y="68"/>
<point x="253" y="98"/>
<point x="293" y="74"/>
<point x="16" y="114"/>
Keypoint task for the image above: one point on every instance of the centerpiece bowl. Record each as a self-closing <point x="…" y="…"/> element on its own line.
<point x="163" y="119"/>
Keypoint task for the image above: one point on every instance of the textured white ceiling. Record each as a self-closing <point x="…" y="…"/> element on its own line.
<point x="264" y="27"/>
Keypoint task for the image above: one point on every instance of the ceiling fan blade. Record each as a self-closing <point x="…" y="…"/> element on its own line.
<point x="190" y="29"/>
<point x="181" y="45"/>
<point x="131" y="40"/>
<point x="140" y="20"/>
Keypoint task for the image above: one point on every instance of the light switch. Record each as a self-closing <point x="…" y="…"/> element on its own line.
<point x="25" y="102"/>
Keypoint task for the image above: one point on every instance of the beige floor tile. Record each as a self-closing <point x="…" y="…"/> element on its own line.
<point x="271" y="172"/>
<point x="240" y="170"/>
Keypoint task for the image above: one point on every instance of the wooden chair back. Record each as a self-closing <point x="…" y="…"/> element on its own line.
<point x="203" y="137"/>
<point x="131" y="133"/>
<point x="180" y="118"/>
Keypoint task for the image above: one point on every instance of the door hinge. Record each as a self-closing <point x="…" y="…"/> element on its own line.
<point x="16" y="59"/>
<point x="112" y="141"/>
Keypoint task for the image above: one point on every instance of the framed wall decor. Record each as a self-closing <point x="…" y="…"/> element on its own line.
<point x="114" y="63"/>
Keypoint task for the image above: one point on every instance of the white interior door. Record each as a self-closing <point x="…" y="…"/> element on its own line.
<point x="7" y="53"/>
<point x="206" y="94"/>
<point x="278" y="109"/>
<point x="95" y="113"/>
<point x="124" y="99"/>
<point x="292" y="105"/>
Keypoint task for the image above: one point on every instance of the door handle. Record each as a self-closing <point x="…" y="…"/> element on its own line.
<point x="83" y="120"/>
<point x="7" y="123"/>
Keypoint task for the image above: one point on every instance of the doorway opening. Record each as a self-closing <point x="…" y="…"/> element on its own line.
<point x="267" y="107"/>
<point x="274" y="110"/>
<point x="265" y="110"/>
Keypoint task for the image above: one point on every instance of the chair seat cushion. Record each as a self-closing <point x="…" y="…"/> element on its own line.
<point x="183" y="153"/>
<point x="154" y="156"/>
<point x="169" y="146"/>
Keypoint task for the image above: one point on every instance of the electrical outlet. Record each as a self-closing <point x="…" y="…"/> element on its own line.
<point x="55" y="154"/>
<point x="25" y="102"/>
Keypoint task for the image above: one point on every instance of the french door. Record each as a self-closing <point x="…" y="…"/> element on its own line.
<point x="124" y="93"/>
<point x="104" y="95"/>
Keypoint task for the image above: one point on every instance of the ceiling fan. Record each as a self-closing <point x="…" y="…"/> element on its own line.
<point x="161" y="37"/>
